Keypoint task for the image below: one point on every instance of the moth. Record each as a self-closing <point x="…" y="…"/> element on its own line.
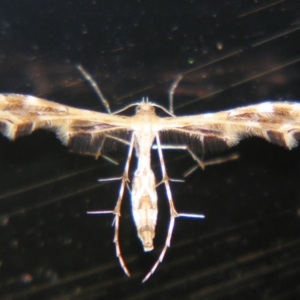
<point x="85" y="131"/>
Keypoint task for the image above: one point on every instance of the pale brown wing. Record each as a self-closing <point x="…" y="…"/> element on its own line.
<point x="82" y="130"/>
<point x="277" y="122"/>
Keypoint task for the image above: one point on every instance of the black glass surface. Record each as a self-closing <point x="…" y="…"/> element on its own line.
<point x="231" y="54"/>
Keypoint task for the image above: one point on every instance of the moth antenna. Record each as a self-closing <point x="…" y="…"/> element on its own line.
<point x="94" y="85"/>
<point x="171" y="93"/>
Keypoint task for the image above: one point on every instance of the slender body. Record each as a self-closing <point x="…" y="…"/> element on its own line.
<point x="143" y="193"/>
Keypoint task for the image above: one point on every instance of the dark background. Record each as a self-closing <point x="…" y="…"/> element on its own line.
<point x="231" y="53"/>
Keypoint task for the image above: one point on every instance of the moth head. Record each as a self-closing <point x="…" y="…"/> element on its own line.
<point x="145" y="107"/>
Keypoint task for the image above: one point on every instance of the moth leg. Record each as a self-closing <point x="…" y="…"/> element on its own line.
<point x="173" y="213"/>
<point x="166" y="180"/>
<point x="117" y="210"/>
<point x="122" y="141"/>
<point x="109" y="159"/>
<point x="200" y="162"/>
<point x="99" y="153"/>
<point x="214" y="161"/>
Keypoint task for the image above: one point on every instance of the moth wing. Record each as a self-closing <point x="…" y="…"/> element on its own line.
<point x="276" y="122"/>
<point x="82" y="130"/>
